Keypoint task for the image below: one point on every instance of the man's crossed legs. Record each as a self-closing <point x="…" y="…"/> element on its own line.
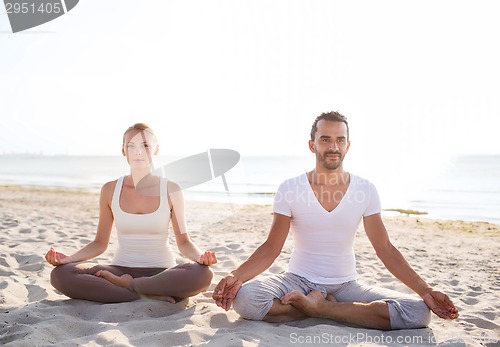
<point x="289" y="296"/>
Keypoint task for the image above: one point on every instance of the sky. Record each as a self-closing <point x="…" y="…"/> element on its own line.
<point x="416" y="79"/>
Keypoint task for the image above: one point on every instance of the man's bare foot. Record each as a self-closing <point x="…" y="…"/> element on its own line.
<point x="331" y="298"/>
<point x="280" y="313"/>
<point x="309" y="304"/>
<point x="122" y="281"/>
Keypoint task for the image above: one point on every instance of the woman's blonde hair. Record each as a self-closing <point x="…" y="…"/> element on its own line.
<point x="141" y="127"/>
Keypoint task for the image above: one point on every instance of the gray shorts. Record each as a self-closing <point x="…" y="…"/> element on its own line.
<point x="255" y="298"/>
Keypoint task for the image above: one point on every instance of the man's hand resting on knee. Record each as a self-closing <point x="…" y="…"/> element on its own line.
<point x="440" y="304"/>
<point x="225" y="291"/>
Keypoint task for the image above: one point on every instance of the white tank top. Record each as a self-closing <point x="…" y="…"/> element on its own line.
<point x="142" y="238"/>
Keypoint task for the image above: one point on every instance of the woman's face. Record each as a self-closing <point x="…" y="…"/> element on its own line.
<point x="139" y="148"/>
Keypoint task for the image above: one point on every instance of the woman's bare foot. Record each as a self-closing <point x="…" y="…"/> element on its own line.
<point x="309" y="304"/>
<point x="122" y="281"/>
<point x="161" y="298"/>
<point x="125" y="280"/>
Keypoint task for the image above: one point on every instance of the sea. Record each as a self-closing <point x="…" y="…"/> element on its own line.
<point x="459" y="187"/>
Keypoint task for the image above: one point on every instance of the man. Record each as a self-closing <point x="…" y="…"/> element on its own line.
<point x="323" y="209"/>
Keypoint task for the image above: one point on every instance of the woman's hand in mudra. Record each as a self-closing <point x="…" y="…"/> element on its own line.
<point x="56" y="258"/>
<point x="208" y="258"/>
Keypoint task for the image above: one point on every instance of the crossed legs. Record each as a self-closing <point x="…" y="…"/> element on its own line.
<point x="292" y="297"/>
<point x="122" y="284"/>
<point x="370" y="315"/>
<point x="179" y="282"/>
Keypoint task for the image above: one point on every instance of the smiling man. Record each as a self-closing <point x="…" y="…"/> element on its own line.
<point x="323" y="208"/>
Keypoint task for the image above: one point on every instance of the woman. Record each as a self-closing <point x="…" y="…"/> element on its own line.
<point x="141" y="205"/>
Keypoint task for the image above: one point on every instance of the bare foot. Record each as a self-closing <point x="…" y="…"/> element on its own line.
<point x="161" y="298"/>
<point x="280" y="313"/>
<point x="125" y="280"/>
<point x="331" y="298"/>
<point x="122" y="281"/>
<point x="309" y="304"/>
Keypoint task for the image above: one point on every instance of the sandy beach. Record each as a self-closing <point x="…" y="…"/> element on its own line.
<point x="459" y="258"/>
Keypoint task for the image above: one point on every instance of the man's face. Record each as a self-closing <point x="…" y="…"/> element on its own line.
<point x="330" y="144"/>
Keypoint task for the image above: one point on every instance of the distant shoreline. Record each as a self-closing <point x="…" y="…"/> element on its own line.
<point x="389" y="212"/>
<point x="466" y="188"/>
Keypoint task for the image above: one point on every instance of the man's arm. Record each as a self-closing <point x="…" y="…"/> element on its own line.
<point x="261" y="259"/>
<point x="390" y="255"/>
<point x="395" y="262"/>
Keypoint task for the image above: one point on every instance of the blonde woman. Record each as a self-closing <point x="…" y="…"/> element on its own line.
<point x="144" y="264"/>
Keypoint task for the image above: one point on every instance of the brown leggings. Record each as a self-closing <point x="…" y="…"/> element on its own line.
<point x="77" y="281"/>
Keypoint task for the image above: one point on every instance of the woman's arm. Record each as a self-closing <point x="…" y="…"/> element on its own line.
<point x="101" y="240"/>
<point x="187" y="247"/>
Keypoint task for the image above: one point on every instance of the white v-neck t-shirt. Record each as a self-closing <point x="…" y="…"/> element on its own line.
<point x="324" y="241"/>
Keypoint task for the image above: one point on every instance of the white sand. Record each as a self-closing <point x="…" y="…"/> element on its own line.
<point x="459" y="258"/>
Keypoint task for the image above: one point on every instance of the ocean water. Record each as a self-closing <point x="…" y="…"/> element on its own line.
<point x="462" y="187"/>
